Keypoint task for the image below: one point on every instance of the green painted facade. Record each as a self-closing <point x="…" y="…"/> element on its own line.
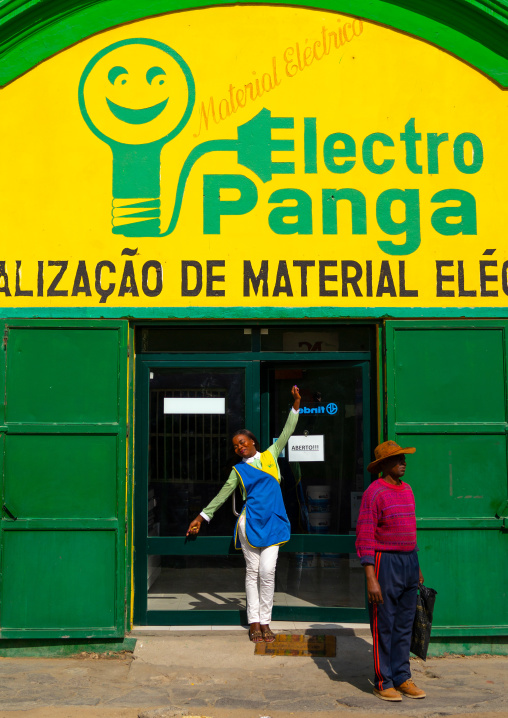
<point x="68" y="381"/>
<point x="474" y="30"/>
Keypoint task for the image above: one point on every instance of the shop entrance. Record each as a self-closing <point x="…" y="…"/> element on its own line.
<point x="188" y="408"/>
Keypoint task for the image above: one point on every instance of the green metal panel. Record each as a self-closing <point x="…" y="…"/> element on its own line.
<point x="445" y="483"/>
<point x="64" y="467"/>
<point x="60" y="475"/>
<point x="473" y="595"/>
<point x="446" y="395"/>
<point x="53" y="375"/>
<point x="462" y="367"/>
<point x="55" y="579"/>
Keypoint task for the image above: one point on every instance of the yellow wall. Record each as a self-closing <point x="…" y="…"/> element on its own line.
<point x="56" y="185"/>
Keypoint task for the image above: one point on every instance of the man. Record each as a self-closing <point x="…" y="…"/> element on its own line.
<point x="386" y="545"/>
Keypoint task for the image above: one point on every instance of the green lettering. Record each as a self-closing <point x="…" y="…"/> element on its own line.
<point x="466" y="210"/>
<point x="410" y="224"/>
<point x="368" y="154"/>
<point x="302" y="211"/>
<point x="477" y="153"/>
<point x="214" y="208"/>
<point x="330" y="152"/>
<point x="358" y="210"/>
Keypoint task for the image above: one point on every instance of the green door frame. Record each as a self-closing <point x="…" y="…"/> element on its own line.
<point x="223" y="545"/>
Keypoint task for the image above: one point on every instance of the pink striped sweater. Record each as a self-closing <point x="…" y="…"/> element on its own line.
<point x="387" y="520"/>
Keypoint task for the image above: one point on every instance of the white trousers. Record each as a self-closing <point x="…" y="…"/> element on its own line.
<point x="259" y="578"/>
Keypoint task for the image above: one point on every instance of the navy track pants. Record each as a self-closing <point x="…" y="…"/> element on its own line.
<point x="391" y="622"/>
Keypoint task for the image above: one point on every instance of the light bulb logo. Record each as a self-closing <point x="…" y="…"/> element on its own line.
<point x="136" y="95"/>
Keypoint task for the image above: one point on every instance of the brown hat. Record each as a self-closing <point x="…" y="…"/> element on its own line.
<point x="385" y="451"/>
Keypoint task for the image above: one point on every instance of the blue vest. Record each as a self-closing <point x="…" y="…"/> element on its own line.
<point x="266" y="521"/>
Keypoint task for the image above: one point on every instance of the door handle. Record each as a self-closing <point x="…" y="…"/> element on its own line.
<point x="234" y="504"/>
<point x="9" y="514"/>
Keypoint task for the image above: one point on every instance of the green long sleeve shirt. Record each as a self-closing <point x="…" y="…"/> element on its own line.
<point x="233" y="480"/>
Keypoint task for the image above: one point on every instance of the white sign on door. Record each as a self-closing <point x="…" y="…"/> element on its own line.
<point x="306" y="448"/>
<point x="194" y="405"/>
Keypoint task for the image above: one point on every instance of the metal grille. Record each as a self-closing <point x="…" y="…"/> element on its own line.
<point x="187" y="447"/>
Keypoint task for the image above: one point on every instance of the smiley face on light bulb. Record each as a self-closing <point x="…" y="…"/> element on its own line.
<point x="132" y="115"/>
<point x="136" y="95"/>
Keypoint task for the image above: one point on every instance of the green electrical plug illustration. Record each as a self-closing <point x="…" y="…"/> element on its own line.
<point x="136" y="95"/>
<point x="129" y="94"/>
<point x="254" y="148"/>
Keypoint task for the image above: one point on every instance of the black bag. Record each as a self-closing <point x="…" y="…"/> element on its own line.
<point x="420" y="636"/>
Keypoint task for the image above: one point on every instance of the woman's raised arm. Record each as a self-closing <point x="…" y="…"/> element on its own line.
<point x="290" y="425"/>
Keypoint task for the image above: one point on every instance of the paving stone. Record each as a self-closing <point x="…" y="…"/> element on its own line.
<point x="227" y="702"/>
<point x="139" y="698"/>
<point x="160" y="713"/>
<point x="24" y="706"/>
<point x="182" y="693"/>
<point x="43" y="678"/>
<point x="302" y="704"/>
<point x="78" y="700"/>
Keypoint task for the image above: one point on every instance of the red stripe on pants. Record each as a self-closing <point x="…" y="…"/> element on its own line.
<point x="375" y="634"/>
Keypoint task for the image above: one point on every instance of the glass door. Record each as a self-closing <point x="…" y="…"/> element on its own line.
<point x="188" y="415"/>
<point x="319" y="576"/>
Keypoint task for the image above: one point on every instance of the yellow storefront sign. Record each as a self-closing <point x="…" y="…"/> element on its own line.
<point x="255" y="157"/>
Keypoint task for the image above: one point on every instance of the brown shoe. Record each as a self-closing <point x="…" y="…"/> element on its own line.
<point x="409" y="689"/>
<point x="389" y="694"/>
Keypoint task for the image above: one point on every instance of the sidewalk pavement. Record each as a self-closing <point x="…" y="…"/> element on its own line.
<point x="215" y="674"/>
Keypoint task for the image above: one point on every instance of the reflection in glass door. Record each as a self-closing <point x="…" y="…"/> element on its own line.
<point x="322" y="487"/>
<point x="192" y="413"/>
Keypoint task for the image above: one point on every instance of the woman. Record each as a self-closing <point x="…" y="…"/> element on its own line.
<point x="263" y="524"/>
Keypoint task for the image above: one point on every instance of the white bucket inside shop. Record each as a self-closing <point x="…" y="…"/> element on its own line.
<point x="319" y="498"/>
<point x="320" y="522"/>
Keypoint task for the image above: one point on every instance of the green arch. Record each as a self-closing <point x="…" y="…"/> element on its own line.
<point x="473" y="30"/>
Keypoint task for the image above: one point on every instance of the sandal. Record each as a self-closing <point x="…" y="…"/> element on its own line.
<point x="268" y="635"/>
<point x="256" y="636"/>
